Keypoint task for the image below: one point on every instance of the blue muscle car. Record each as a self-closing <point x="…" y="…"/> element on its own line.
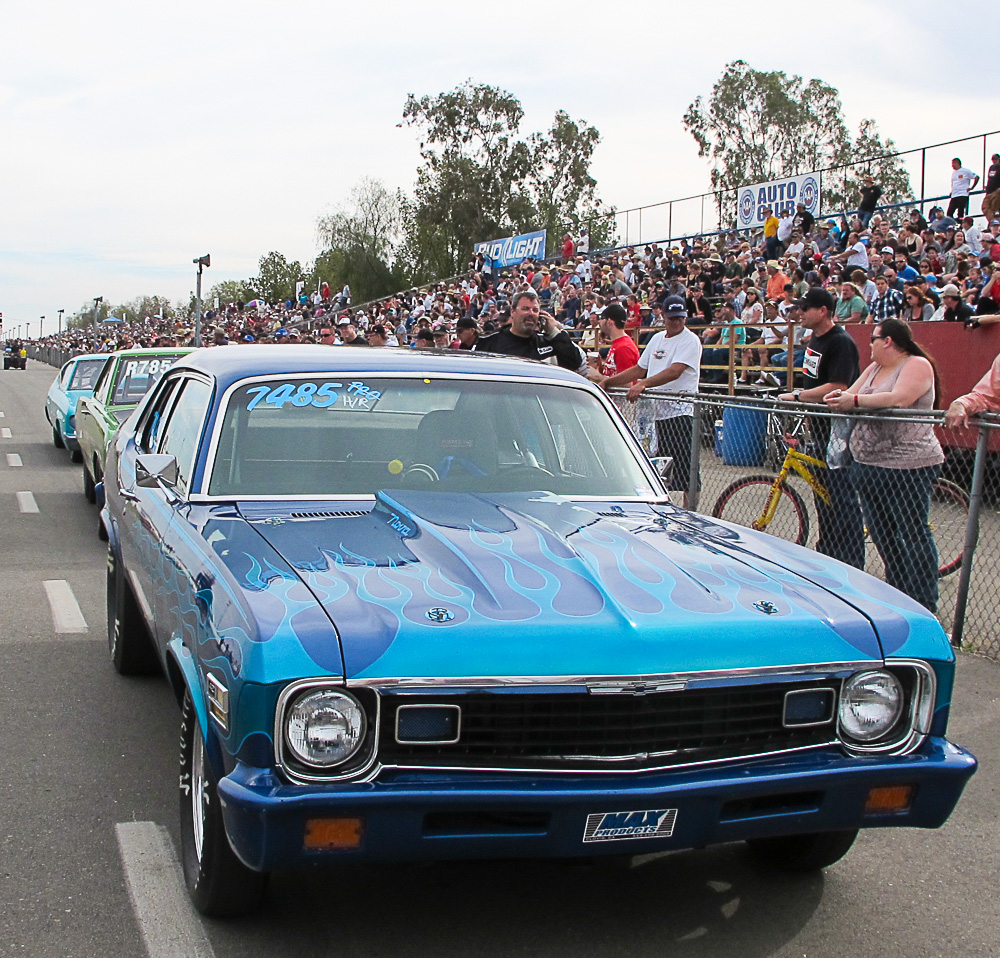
<point x="431" y="606"/>
<point x="76" y="379"/>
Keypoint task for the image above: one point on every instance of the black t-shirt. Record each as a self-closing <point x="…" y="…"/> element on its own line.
<point x="559" y="349"/>
<point x="830" y="358"/>
<point x="869" y="198"/>
<point x="993" y="178"/>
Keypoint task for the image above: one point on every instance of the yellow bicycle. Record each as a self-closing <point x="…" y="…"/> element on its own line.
<point x="784" y="512"/>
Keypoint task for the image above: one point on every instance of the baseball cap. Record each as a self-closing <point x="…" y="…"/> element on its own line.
<point x="815" y="298"/>
<point x="467" y="323"/>
<point x="888" y="249"/>
<point x="439" y="329"/>
<point x="674" y="306"/>
<point x="345" y="321"/>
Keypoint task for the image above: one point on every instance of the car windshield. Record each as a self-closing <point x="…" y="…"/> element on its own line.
<point x="137" y="375"/>
<point x="86" y="372"/>
<point x="346" y="436"/>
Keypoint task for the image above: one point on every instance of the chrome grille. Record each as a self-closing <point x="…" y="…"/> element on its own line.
<point x="535" y="730"/>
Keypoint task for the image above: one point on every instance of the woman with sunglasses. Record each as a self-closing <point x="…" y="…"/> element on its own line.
<point x="916" y="306"/>
<point x="896" y="461"/>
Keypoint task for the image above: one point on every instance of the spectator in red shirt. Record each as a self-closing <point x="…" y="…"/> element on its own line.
<point x="568" y="249"/>
<point x="623" y="352"/>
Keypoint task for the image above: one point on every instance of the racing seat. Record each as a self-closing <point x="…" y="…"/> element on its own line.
<point x="450" y="440"/>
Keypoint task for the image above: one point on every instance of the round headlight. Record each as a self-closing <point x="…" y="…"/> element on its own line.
<point x="325" y="727"/>
<point x="870" y="705"/>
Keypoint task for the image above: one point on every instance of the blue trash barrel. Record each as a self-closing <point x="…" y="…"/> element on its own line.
<point x="743" y="432"/>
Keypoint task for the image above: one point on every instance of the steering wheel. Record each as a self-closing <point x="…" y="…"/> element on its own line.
<point x="422" y="472"/>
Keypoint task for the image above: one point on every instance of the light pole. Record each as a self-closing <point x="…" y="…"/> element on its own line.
<point x="60" y="312"/>
<point x="41" y="321"/>
<point x="201" y="262"/>
<point x="97" y="301"/>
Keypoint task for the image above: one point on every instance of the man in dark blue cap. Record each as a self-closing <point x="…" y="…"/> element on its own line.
<point x="672" y="360"/>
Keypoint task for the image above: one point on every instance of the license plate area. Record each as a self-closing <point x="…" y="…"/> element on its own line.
<point x="629" y="826"/>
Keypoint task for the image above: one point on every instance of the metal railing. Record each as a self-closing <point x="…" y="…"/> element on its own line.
<point x="668" y="221"/>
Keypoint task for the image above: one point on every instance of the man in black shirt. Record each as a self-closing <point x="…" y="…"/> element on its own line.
<point x="349" y="335"/>
<point x="870" y="194"/>
<point x="991" y="201"/>
<point x="533" y="334"/>
<point x="831" y="362"/>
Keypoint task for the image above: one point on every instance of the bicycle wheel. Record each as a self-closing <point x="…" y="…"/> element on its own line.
<point x="743" y="501"/>
<point x="948" y="518"/>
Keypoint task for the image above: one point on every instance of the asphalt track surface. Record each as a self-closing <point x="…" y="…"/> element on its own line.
<point x="88" y="814"/>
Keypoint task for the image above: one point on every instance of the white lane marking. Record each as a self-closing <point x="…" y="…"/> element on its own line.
<point x="1" y="415"/>
<point x="167" y="922"/>
<point x="26" y="502"/>
<point x="13" y="459"/>
<point x="5" y="433"/>
<point x="66" y="615"/>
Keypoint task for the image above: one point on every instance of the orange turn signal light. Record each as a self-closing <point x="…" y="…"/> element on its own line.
<point x="888" y="799"/>
<point x="328" y="834"/>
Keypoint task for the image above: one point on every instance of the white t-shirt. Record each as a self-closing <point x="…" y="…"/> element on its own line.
<point x="961" y="181"/>
<point x="583" y="243"/>
<point x="661" y="353"/>
<point x="859" y="255"/>
<point x="785" y="226"/>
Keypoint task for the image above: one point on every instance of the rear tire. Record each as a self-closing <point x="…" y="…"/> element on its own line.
<point x="129" y="643"/>
<point x="802" y="853"/>
<point x="57" y="439"/>
<point x="949" y="516"/>
<point x="88" y="486"/>
<point x="75" y="455"/>
<point x="743" y="501"/>
<point x="219" y="884"/>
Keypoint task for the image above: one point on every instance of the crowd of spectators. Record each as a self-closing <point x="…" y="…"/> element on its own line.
<point x="738" y="287"/>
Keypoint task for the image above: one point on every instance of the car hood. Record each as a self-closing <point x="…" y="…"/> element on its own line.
<point x="533" y="585"/>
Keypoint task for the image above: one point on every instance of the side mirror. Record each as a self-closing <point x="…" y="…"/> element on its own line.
<point x="664" y="466"/>
<point x="154" y="470"/>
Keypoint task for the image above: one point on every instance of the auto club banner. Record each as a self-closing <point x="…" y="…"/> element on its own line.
<point x="779" y="195"/>
<point x="514" y="249"/>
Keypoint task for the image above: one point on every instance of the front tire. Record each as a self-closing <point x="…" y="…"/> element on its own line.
<point x="219" y="884"/>
<point x="129" y="644"/>
<point x="802" y="853"/>
<point x="57" y="439"/>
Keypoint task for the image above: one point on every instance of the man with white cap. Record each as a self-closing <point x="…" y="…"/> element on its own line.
<point x="672" y="360"/>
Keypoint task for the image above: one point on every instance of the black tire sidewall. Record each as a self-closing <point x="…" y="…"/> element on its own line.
<point x="219" y="884"/>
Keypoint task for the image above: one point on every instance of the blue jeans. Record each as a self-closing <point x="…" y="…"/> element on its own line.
<point x="896" y="504"/>
<point x="841" y="529"/>
<point x="781" y="358"/>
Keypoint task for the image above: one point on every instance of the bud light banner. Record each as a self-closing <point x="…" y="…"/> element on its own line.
<point x="514" y="249"/>
<point x="778" y="195"/>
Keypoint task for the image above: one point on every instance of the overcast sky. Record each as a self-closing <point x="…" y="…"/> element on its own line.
<point x="135" y="137"/>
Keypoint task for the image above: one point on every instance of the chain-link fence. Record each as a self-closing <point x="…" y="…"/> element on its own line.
<point x="896" y="493"/>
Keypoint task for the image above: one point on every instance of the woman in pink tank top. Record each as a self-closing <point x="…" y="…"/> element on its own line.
<point x="896" y="462"/>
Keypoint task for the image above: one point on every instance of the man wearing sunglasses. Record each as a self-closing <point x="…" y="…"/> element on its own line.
<point x="830" y="362"/>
